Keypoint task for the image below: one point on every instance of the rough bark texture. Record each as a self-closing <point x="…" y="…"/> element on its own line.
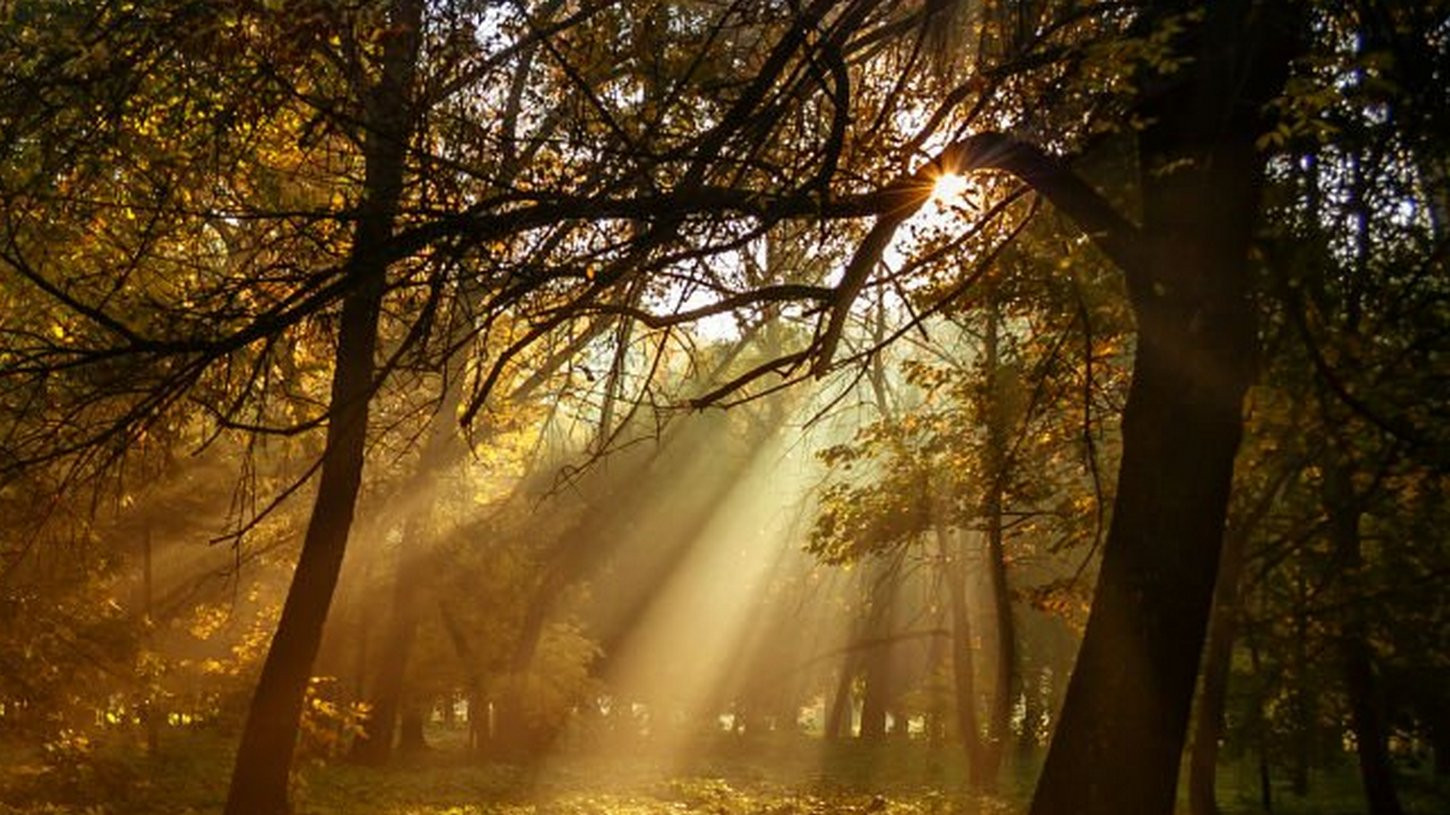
<point x="1121" y="733"/>
<point x="264" y="759"/>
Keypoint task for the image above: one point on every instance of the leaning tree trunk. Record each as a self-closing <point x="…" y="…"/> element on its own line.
<point x="1118" y="745"/>
<point x="264" y="759"/>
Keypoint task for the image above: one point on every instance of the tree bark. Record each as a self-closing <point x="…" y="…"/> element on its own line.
<point x="264" y="759"/>
<point x="1209" y="716"/>
<point x="1004" y="688"/>
<point x="1261" y="736"/>
<point x="838" y="718"/>
<point x="963" y="669"/>
<point x="410" y="727"/>
<point x="374" y="745"/>
<point x="443" y="448"/>
<point x="879" y="681"/>
<point x="1118" y="746"/>
<point x="1367" y="719"/>
<point x="151" y="713"/>
<point x="1218" y="654"/>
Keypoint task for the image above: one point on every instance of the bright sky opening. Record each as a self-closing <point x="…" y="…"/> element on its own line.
<point x="948" y="188"/>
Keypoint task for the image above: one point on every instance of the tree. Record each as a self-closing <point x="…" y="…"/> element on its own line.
<point x="264" y="758"/>
<point x="634" y="190"/>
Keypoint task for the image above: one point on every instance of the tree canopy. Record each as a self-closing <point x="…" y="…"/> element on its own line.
<point x="441" y="303"/>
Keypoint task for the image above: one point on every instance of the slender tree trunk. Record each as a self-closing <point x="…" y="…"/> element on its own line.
<point x="1121" y="734"/>
<point x="362" y="628"/>
<point x="374" y="745"/>
<point x="879" y="678"/>
<point x="410" y="727"/>
<point x="443" y="448"/>
<point x="478" y="707"/>
<point x="1261" y="734"/>
<point x="1004" y="688"/>
<point x="151" y="714"/>
<point x="1301" y="708"/>
<point x="1213" y="696"/>
<point x="963" y="669"/>
<point x="838" y="719"/>
<point x="1440" y="744"/>
<point x="269" y="738"/>
<point x="1031" y="717"/>
<point x="1367" y="718"/>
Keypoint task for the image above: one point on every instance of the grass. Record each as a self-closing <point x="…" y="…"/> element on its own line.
<point x="779" y="776"/>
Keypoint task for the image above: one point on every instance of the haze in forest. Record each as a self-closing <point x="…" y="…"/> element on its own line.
<point x="728" y="406"/>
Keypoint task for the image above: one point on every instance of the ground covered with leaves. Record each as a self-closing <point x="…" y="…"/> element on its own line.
<point x="189" y="775"/>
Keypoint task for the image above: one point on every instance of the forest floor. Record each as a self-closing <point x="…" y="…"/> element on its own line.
<point x="797" y="776"/>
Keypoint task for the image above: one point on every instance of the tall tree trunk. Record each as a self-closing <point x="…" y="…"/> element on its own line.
<point x="410" y="727"/>
<point x="375" y="743"/>
<point x="878" y="672"/>
<point x="1212" y="698"/>
<point x="1440" y="743"/>
<point x="264" y="759"/>
<point x="1301" y="707"/>
<point x="1121" y="734"/>
<point x="1027" y="742"/>
<point x="1218" y="657"/>
<point x="876" y="682"/>
<point x="1261" y="736"/>
<point x="1367" y="718"/>
<point x="838" y="718"/>
<point x="963" y="669"/>
<point x="1004" y="687"/>
<point x="442" y="448"/>
<point x="151" y="713"/>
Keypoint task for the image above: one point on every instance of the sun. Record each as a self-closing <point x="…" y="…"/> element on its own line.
<point x="948" y="189"/>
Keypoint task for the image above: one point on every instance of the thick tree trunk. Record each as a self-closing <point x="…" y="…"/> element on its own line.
<point x="264" y="759"/>
<point x="1118" y="745"/>
<point x="1121" y="731"/>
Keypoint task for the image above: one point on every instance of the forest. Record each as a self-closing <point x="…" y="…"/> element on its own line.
<point x="742" y="407"/>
